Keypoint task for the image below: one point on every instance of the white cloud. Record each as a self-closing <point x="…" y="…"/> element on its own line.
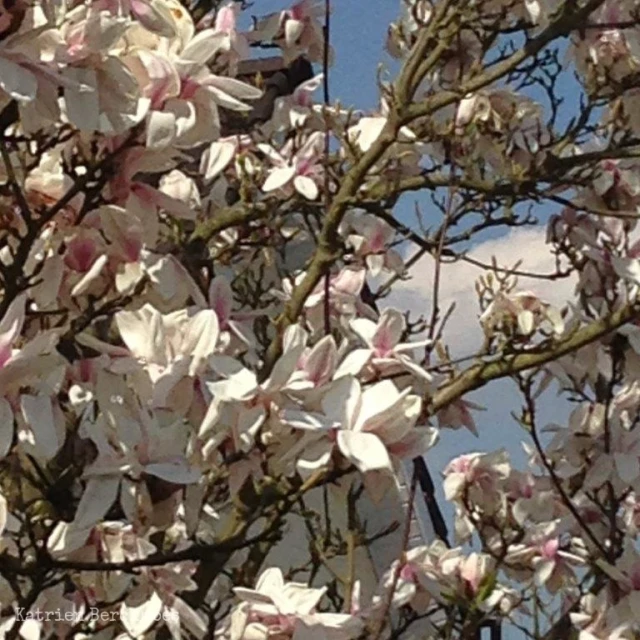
<point x="457" y="284"/>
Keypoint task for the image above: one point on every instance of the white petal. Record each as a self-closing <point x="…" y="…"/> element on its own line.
<point x="201" y="336"/>
<point x="307" y="420"/>
<point x="6" y="427"/>
<point x="292" y="31"/>
<point x="176" y="472"/>
<point x="306" y="187"/>
<point x="98" y="497"/>
<point x="365" y="450"/>
<point x="37" y="412"/>
<point x="11" y="323"/>
<point x="143" y="333"/>
<point x="17" y="81"/>
<point x="353" y="364"/>
<point x="161" y="129"/>
<point x="83" y="106"/>
<point x="200" y="48"/>
<point x="627" y="467"/>
<point x="278" y="178"/>
<point x="90" y="276"/>
<point x="239" y="384"/>
<point x="525" y="322"/>
<point x="234" y="87"/>
<point x="217" y="158"/>
<point x="138" y="619"/>
<point x="366" y="329"/>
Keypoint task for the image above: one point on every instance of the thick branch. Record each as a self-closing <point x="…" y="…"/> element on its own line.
<point x="509" y="364"/>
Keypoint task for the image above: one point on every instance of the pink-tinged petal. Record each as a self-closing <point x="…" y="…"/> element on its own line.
<point x="349" y="281"/>
<point x="306" y="187"/>
<point x="89" y="278"/>
<point x="217" y="158"/>
<point x="226" y="18"/>
<point x="313" y="147"/>
<point x="138" y="618"/>
<point x="6" y="427"/>
<point x="388" y="332"/>
<point x="365" y="329"/>
<point x="154" y="16"/>
<point x="81" y="253"/>
<point x="98" y="497"/>
<point x="365" y="450"/>
<point x="123" y="231"/>
<point x="321" y="362"/>
<point x="221" y="299"/>
<point x="278" y="178"/>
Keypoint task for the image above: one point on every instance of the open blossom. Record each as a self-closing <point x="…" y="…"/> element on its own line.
<point x="368" y="426"/>
<point x="169" y="348"/>
<point x="384" y="352"/>
<point x="297" y="30"/>
<point x="181" y="93"/>
<point x="371" y="239"/>
<point x="522" y="311"/>
<point x="295" y="110"/>
<point x="39" y="419"/>
<point x="287" y="610"/>
<point x="230" y="43"/>
<point x="300" y="170"/>
<point x="193" y="366"/>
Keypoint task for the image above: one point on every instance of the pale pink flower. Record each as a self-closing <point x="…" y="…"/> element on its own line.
<point x="296" y="169"/>
<point x="384" y="353"/>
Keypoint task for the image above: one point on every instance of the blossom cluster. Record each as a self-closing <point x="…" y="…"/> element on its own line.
<point x="189" y="343"/>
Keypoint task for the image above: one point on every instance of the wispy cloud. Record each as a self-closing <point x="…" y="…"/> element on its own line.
<point x="457" y="284"/>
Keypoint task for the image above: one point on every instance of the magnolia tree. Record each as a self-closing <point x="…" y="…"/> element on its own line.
<point x="196" y="335"/>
